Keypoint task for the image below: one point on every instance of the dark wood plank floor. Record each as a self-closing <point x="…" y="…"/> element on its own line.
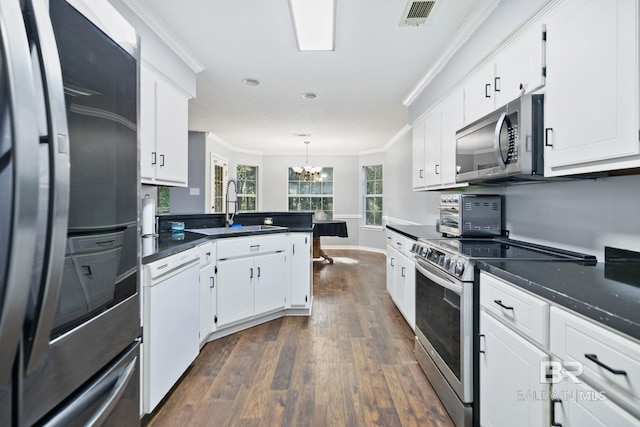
<point x="350" y="364"/>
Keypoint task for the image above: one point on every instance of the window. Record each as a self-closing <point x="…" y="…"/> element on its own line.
<point x="247" y="188"/>
<point x="218" y="183"/>
<point x="372" y="176"/>
<point x="163" y="200"/>
<point x="313" y="195"/>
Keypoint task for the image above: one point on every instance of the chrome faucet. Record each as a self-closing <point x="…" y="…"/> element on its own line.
<point x="229" y="215"/>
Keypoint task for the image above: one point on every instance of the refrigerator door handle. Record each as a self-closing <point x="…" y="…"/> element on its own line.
<point x="115" y="391"/>
<point x="18" y="109"/>
<point x="56" y="142"/>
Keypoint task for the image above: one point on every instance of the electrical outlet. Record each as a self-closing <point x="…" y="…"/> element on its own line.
<point x="194" y="191"/>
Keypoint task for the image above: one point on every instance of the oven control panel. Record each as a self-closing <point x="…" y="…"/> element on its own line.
<point x="441" y="259"/>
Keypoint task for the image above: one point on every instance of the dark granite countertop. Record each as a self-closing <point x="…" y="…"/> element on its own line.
<point x="168" y="243"/>
<point x="416" y="232"/>
<point x="608" y="293"/>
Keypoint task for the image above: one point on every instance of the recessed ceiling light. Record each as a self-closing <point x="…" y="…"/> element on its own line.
<point x="310" y="95"/>
<point x="305" y="135"/>
<point x="251" y="82"/>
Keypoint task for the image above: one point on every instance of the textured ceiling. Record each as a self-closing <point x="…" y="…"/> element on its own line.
<point x="361" y="85"/>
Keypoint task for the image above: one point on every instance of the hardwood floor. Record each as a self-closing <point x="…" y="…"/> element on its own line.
<point x="350" y="364"/>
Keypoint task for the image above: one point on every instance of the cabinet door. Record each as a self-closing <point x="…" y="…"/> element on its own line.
<point x="418" y="153"/>
<point x="510" y="386"/>
<point x="148" y="154"/>
<point x="207" y="300"/>
<point x="301" y="267"/>
<point x="478" y="93"/>
<point x="235" y="290"/>
<point x="400" y="279"/>
<point x="591" y="111"/>
<point x="579" y="405"/>
<point x="520" y="65"/>
<point x="270" y="277"/>
<point x="410" y="307"/>
<point x="171" y="134"/>
<point x="432" y="136"/>
<point x="452" y="121"/>
<point x="392" y="255"/>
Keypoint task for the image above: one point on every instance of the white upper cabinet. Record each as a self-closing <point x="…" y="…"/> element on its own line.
<point x="591" y="94"/>
<point x="418" y="176"/>
<point x="434" y="145"/>
<point x="432" y="137"/>
<point x="163" y="130"/>
<point x="517" y="68"/>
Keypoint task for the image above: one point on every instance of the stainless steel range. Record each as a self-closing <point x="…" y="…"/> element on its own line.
<point x="447" y="299"/>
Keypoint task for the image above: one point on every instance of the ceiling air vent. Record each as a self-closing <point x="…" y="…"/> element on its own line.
<point x="416" y="13"/>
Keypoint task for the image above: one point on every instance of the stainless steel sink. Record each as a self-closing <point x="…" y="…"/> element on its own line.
<point x="215" y="231"/>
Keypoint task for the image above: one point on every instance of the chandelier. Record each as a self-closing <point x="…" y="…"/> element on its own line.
<point x="307" y="173"/>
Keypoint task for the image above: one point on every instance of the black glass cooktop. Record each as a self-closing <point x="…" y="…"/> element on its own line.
<point x="502" y="248"/>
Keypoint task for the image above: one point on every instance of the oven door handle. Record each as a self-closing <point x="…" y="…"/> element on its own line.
<point x="439" y="280"/>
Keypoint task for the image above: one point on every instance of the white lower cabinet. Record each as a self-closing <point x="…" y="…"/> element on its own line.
<point x="522" y="383"/>
<point x="401" y="276"/>
<point x="252" y="274"/>
<point x="580" y="405"/>
<point x="235" y="290"/>
<point x="301" y="270"/>
<point x="510" y="388"/>
<point x="207" y="290"/>
<point x="270" y="276"/>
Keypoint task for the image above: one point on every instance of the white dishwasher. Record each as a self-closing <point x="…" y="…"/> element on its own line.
<point x="171" y="323"/>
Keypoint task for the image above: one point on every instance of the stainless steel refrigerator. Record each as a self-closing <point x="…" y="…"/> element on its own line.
<point x="69" y="229"/>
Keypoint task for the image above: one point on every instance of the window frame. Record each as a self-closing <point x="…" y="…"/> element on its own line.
<point x="366" y="196"/>
<point x="326" y="198"/>
<point x="242" y="195"/>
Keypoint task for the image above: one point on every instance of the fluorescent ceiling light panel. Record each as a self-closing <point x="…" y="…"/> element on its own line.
<point x="314" y="23"/>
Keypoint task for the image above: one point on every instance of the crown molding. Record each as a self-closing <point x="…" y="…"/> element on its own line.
<point x="151" y="20"/>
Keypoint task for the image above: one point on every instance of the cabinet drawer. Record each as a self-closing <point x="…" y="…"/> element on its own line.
<point x="391" y="238"/>
<point x="207" y="253"/>
<point x="520" y="310"/>
<point x="403" y="245"/>
<point x="248" y="246"/>
<point x="576" y="339"/>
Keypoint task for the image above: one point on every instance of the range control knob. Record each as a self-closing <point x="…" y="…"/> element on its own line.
<point x="458" y="268"/>
<point x="442" y="260"/>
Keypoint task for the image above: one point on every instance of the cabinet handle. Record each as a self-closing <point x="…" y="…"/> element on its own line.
<point x="106" y="242"/>
<point x="392" y="262"/>
<point x="548" y="137"/>
<point x="483" y="338"/>
<point x="250" y="272"/>
<point x="496" y="84"/>
<point x="486" y="90"/>
<point x="553" y="412"/>
<point x="594" y="359"/>
<point x="153" y="158"/>
<point x="294" y="249"/>
<point x="88" y="268"/>
<point x="421" y="170"/>
<point x="254" y="247"/>
<point x="161" y="159"/>
<point x="437" y="169"/>
<point x="212" y="281"/>
<point x="399" y="244"/>
<point x="499" y="302"/>
<point x="258" y="271"/>
<point x="403" y="272"/>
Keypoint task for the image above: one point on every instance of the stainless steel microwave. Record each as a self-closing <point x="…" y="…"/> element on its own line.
<point x="506" y="145"/>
